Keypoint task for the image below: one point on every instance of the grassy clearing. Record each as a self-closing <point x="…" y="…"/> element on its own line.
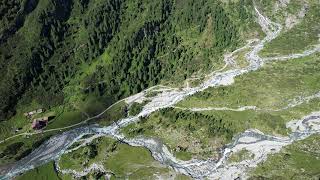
<point x="301" y="37"/>
<point x="45" y="172"/>
<point x="128" y="160"/>
<point x="66" y="119"/>
<point x="85" y="156"/>
<point x="300" y="160"/>
<point x="271" y="87"/>
<point x="90" y="108"/>
<point x="137" y="163"/>
<point x="23" y="124"/>
<point x="115" y="113"/>
<point x="18" y="147"/>
<point x="122" y="160"/>
<point x="63" y="116"/>
<point x="183" y="155"/>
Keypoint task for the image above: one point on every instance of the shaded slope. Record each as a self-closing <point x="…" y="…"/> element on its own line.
<point x="65" y="51"/>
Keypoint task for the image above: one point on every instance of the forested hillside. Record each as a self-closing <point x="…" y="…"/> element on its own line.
<point x="164" y="89"/>
<point x="63" y="51"/>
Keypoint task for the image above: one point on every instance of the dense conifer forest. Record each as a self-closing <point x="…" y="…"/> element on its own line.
<point x="108" y="49"/>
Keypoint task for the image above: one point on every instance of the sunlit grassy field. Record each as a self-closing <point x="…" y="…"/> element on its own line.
<point x="300" y="160"/>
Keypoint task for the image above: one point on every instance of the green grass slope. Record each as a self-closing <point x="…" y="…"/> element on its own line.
<point x="298" y="39"/>
<point x="45" y="172"/>
<point x="120" y="160"/>
<point x="271" y="87"/>
<point x="300" y="160"/>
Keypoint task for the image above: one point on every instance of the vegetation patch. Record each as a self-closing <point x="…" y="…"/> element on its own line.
<point x="202" y="134"/>
<point x="298" y="39"/>
<point x="63" y="52"/>
<point x="243" y="154"/>
<point x="240" y="58"/>
<point x="15" y="149"/>
<point x="66" y="57"/>
<point x="300" y="160"/>
<point x="271" y="87"/>
<point x="66" y="119"/>
<point x="121" y="160"/>
<point x="186" y="133"/>
<point x="116" y="112"/>
<point x="136" y="108"/>
<point x="43" y="172"/>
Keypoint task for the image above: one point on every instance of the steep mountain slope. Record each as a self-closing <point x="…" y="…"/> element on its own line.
<point x="214" y="87"/>
<point x="75" y="58"/>
<point x="51" y="50"/>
